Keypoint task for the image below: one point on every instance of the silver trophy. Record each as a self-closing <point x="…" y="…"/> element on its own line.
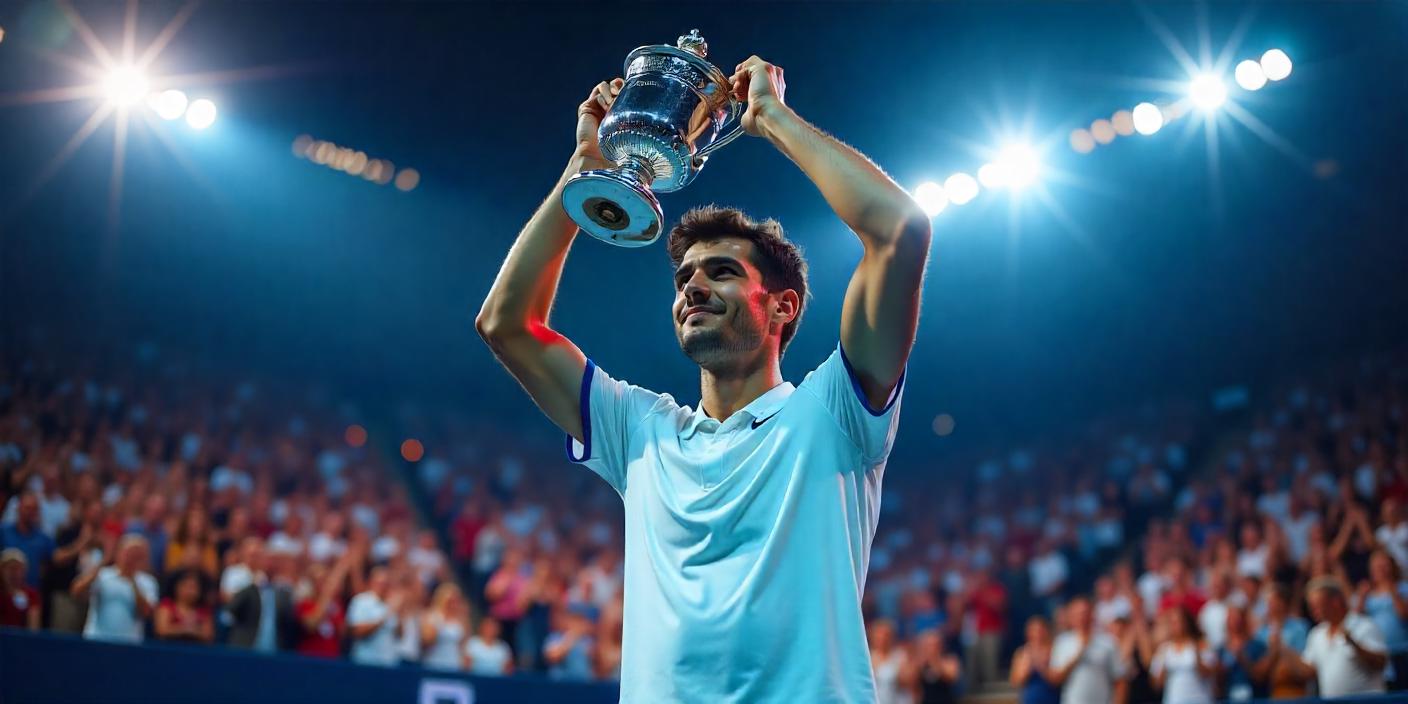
<point x="666" y="120"/>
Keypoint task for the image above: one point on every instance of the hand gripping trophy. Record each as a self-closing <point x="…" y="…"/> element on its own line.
<point x="669" y="116"/>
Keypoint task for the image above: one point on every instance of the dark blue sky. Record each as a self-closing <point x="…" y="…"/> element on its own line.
<point x="1155" y="278"/>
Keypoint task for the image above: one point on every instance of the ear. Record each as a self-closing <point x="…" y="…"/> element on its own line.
<point x="787" y="305"/>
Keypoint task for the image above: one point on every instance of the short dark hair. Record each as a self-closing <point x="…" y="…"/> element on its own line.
<point x="779" y="260"/>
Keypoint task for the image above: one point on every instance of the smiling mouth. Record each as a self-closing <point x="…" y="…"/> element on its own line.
<point x="691" y="316"/>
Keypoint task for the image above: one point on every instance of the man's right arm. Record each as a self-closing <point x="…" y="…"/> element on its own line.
<point x="514" y="317"/>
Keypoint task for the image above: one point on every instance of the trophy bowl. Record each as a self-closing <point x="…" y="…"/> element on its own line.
<point x="668" y="116"/>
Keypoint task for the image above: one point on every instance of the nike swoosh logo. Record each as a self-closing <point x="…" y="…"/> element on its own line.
<point x="757" y="423"/>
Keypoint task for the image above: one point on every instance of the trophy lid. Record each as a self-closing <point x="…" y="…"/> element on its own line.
<point x="694" y="43"/>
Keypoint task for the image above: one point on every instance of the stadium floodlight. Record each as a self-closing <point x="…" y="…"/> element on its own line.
<point x="124" y="86"/>
<point x="201" y="114"/>
<point x="960" y="188"/>
<point x="1018" y="165"/>
<point x="1250" y="75"/>
<point x="169" y="104"/>
<point x="1148" y="118"/>
<point x="931" y="197"/>
<point x="1207" y="91"/>
<point x="1276" y="64"/>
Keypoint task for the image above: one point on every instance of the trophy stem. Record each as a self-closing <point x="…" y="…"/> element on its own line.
<point x="635" y="166"/>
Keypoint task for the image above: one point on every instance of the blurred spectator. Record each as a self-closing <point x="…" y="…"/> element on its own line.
<point x="1031" y="666"/>
<point x="444" y="629"/>
<point x="569" y="649"/>
<point x="184" y="615"/>
<point x="936" y="672"/>
<point x="81" y="548"/>
<point x="121" y="596"/>
<point x="410" y="593"/>
<point x="1182" y="667"/>
<point x="152" y="526"/>
<point x="987" y="601"/>
<point x="1085" y="662"/>
<point x="1242" y="661"/>
<point x="1284" y="634"/>
<point x="608" y="645"/>
<point x="1212" y="620"/>
<point x="1179" y="590"/>
<point x="889" y="662"/>
<point x="487" y="653"/>
<point x="27" y="535"/>
<point x="1345" y="651"/>
<point x="509" y="591"/>
<point x="1384" y="599"/>
<point x="320" y="613"/>
<point x="192" y="547"/>
<point x="373" y="620"/>
<point x="1393" y="530"/>
<point x="19" y="602"/>
<point x="261" y="614"/>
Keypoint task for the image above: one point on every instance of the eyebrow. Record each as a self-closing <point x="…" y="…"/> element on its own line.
<point x="687" y="268"/>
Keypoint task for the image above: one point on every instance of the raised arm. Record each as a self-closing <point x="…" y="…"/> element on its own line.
<point x="881" y="308"/>
<point x="514" y="317"/>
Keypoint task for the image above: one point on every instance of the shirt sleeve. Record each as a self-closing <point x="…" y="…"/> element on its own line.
<point x="1367" y="634"/>
<point x="611" y="411"/>
<point x="1312" y="654"/>
<point x="838" y="388"/>
<point x="1061" y="653"/>
<point x="148" y="585"/>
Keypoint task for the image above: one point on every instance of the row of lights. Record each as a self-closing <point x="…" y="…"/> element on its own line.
<point x="411" y="449"/>
<point x="354" y="163"/>
<point x="1018" y="165"/>
<point x="1206" y="91"/>
<point x="126" y="86"/>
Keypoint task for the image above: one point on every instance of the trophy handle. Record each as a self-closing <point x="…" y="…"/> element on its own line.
<point x="729" y="137"/>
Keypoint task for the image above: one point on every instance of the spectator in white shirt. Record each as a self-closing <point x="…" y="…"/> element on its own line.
<point x="1085" y="662"/>
<point x="487" y="653"/>
<point x="1212" y="618"/>
<point x="1345" y="651"/>
<point x="444" y="629"/>
<point x="1182" y="667"/>
<point x="121" y="596"/>
<point x="243" y="572"/>
<point x="1110" y="605"/>
<point x="372" y="621"/>
<point x="1393" y="532"/>
<point x="1251" y="559"/>
<point x="1049" y="572"/>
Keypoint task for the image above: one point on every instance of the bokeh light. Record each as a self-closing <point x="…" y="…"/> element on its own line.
<point x="1276" y="64"/>
<point x="1207" y="91"/>
<point x="960" y="188"/>
<point x="407" y="179"/>
<point x="1250" y="75"/>
<point x="1017" y="165"/>
<point x="356" y="435"/>
<point x="168" y="104"/>
<point x="125" y="85"/>
<point x="931" y="197"/>
<point x="412" y="450"/>
<point x="1123" y="122"/>
<point x="1148" y="118"/>
<point x="200" y="114"/>
<point x="1102" y="131"/>
<point x="943" y="425"/>
<point x="1082" y="141"/>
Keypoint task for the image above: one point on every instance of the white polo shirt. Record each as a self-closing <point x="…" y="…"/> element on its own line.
<point x="747" y="541"/>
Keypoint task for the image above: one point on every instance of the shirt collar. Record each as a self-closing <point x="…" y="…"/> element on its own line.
<point x="761" y="407"/>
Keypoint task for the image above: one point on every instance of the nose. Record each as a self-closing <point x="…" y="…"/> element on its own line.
<point x="695" y="290"/>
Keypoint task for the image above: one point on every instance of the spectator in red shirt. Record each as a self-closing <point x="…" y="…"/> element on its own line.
<point x="321" y="614"/>
<point x="987" y="600"/>
<point x="1181" y="591"/>
<point x="19" y="602"/>
<point x="185" y="614"/>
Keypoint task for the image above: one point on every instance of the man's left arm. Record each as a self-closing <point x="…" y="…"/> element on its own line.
<point x="881" y="308"/>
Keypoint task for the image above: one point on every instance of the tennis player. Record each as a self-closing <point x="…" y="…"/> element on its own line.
<point x="749" y="518"/>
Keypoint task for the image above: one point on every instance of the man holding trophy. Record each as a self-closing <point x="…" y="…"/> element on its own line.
<point x="749" y="520"/>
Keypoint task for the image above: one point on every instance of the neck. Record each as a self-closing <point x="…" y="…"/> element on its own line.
<point x="724" y="391"/>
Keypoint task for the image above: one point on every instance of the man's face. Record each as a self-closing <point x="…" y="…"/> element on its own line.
<point x="721" y="309"/>
<point x="1080" y="614"/>
<point x="1326" y="605"/>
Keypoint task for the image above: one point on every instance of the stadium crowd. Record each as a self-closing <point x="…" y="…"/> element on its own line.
<point x="1162" y="556"/>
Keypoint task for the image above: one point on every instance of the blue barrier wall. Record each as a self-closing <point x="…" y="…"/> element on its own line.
<point x="46" y="667"/>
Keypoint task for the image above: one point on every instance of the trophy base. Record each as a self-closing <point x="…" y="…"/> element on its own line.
<point x="613" y="207"/>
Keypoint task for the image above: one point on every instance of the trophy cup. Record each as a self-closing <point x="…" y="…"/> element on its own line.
<point x="665" y="121"/>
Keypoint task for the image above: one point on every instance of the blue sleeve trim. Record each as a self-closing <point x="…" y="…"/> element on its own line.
<point x="860" y="392"/>
<point x="585" y="405"/>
